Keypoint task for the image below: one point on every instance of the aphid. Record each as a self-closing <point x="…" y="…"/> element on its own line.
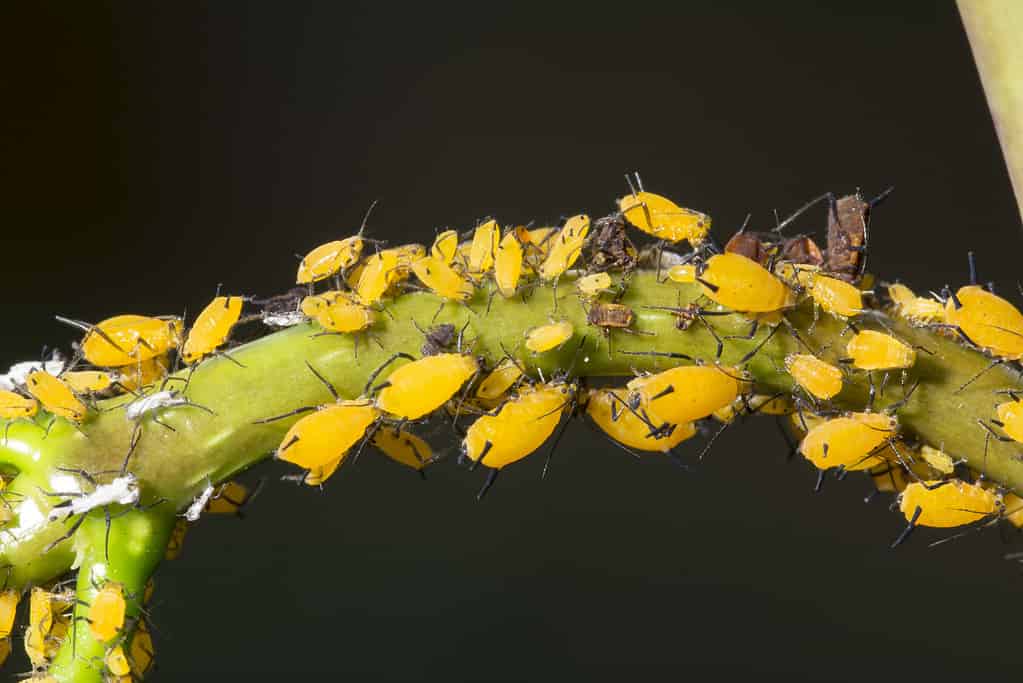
<point x="870" y="350"/>
<point x="55" y="396"/>
<point x="123" y="490"/>
<point x="848" y="220"/>
<point x="106" y="612"/>
<point x="764" y="404"/>
<point x="548" y="337"/>
<point x="508" y="264"/>
<point x="383" y="270"/>
<point x="339" y="312"/>
<point x="536" y="245"/>
<point x="195" y="509"/>
<point x="1013" y="512"/>
<point x="127" y="339"/>
<point x="802" y="250"/>
<point x="941" y="461"/>
<point x="141" y="652"/>
<point x="834" y="296"/>
<point x="87" y="382"/>
<point x="442" y="279"/>
<point x="177" y="540"/>
<point x="565" y="248"/>
<point x="751" y="245"/>
<point x="403" y="447"/>
<point x="1010" y="419"/>
<point x="591" y="286"/>
<point x="230" y="498"/>
<point x="485" y="240"/>
<point x="988" y="321"/>
<point x="944" y="504"/>
<point x="520" y="426"/>
<point x="850" y="442"/>
<point x="117" y="661"/>
<point x="18" y="373"/>
<point x="158" y="401"/>
<point x="918" y="310"/>
<point x="611" y="246"/>
<point x="438" y="338"/>
<point x="617" y="316"/>
<point x="40" y="623"/>
<point x="326" y="435"/>
<point x="500" y="380"/>
<point x="737" y="283"/>
<point x="640" y="430"/>
<point x="14" y="406"/>
<point x="329" y="259"/>
<point x="144" y="374"/>
<point x="445" y="246"/>
<point x="9" y="600"/>
<point x="420" y="387"/>
<point x="820" y="379"/>
<point x="212" y="328"/>
<point x="685" y="393"/>
<point x="663" y="218"/>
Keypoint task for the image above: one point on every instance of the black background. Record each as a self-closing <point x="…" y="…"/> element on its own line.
<point x="149" y="153"/>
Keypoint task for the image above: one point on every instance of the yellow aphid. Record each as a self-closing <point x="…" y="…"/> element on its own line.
<point x="565" y="247"/>
<point x="590" y="286"/>
<point x="500" y="380"/>
<point x="663" y="218"/>
<point x="947" y="503"/>
<point x="420" y="387"/>
<point x="1010" y="418"/>
<point x="442" y="279"/>
<point x="737" y="282"/>
<point x="55" y="396"/>
<point x="141" y="652"/>
<point x="518" y="428"/>
<point x="870" y="350"/>
<point x="403" y="447"/>
<point x="89" y="381"/>
<point x="547" y="337"/>
<point x="916" y="309"/>
<point x="685" y="393"/>
<point x="130" y="339"/>
<point x="106" y="612"/>
<point x="144" y="374"/>
<point x="40" y="623"/>
<point x="850" y="442"/>
<point x="483" y="250"/>
<point x="338" y="312"/>
<point x="328" y="259"/>
<point x="445" y="246"/>
<point x="9" y="600"/>
<point x="117" y="661"/>
<point x="987" y="320"/>
<point x="13" y="405"/>
<point x="316" y="476"/>
<point x="508" y="264"/>
<point x="821" y="380"/>
<point x="177" y="540"/>
<point x="536" y="244"/>
<point x="1013" y="509"/>
<point x="940" y="460"/>
<point x="229" y="499"/>
<point x="327" y="434"/>
<point x="211" y="328"/>
<point x="381" y="271"/>
<point x="641" y="429"/>
<point x="889" y="477"/>
<point x="835" y="296"/>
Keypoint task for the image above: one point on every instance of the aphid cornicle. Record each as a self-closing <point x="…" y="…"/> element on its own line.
<point x="737" y="283"/>
<point x="640" y="430"/>
<point x="548" y="337"/>
<point x="871" y="350"/>
<point x="663" y="218"/>
<point x="422" y="386"/>
<point x="442" y="279"/>
<point x="565" y="248"/>
<point x="128" y="339"/>
<point x="851" y="442"/>
<point x="820" y="379"/>
<point x="508" y="264"/>
<point x="686" y="393"/>
<point x="987" y="321"/>
<point x="55" y="396"/>
<point x="211" y="328"/>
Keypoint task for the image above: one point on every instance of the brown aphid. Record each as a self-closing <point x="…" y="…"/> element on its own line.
<point x="848" y="220"/>
<point x="439" y="339"/>
<point x="616" y="316"/>
<point x="612" y="248"/>
<point x="750" y="245"/>
<point x="802" y="250"/>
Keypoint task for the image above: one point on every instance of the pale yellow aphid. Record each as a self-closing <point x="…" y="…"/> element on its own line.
<point x="13" y="405"/>
<point x="870" y="350"/>
<point x="565" y="248"/>
<point x="947" y="503"/>
<point x="129" y="339"/>
<point x="663" y="218"/>
<point x="117" y="661"/>
<point x="9" y="600"/>
<point x="939" y="460"/>
<point x="55" y="396"/>
<point x="40" y="623"/>
<point x="338" y="312"/>
<point x="547" y="337"/>
<point x="820" y="379"/>
<point x="918" y="310"/>
<point x="442" y="279"/>
<point x="851" y="441"/>
<point x="591" y="286"/>
<point x="383" y="270"/>
<point x="1010" y="418"/>
<point x="328" y="259"/>
<point x="500" y="380"/>
<point x="483" y="250"/>
<point x="835" y="296"/>
<point x="508" y="264"/>
<point x="89" y="381"/>
<point x="144" y="374"/>
<point x="445" y="247"/>
<point x="403" y="447"/>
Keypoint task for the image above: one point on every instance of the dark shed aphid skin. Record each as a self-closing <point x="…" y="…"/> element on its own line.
<point x="610" y="315"/>
<point x="750" y="245"/>
<point x="439" y="338"/>
<point x="848" y="218"/>
<point x="612" y="248"/>
<point x="802" y="250"/>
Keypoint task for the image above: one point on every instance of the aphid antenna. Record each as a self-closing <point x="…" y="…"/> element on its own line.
<point x="86" y="327"/>
<point x="282" y="416"/>
<point x="973" y="267"/>
<point x="554" y="445"/>
<point x="324" y="380"/>
<point x="710" y="442"/>
<point x="798" y="212"/>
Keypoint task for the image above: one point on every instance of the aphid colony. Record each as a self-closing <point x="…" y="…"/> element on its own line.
<point x="501" y="411"/>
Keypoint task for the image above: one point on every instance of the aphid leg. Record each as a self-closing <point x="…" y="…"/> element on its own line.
<point x="767" y="338"/>
<point x="326" y="382"/>
<point x="296" y="411"/>
<point x="80" y="472"/>
<point x="909" y="528"/>
<point x="375" y="373"/>
<point x="550" y="451"/>
<point x="993" y="364"/>
<point x="69" y="534"/>
<point x="820" y="481"/>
